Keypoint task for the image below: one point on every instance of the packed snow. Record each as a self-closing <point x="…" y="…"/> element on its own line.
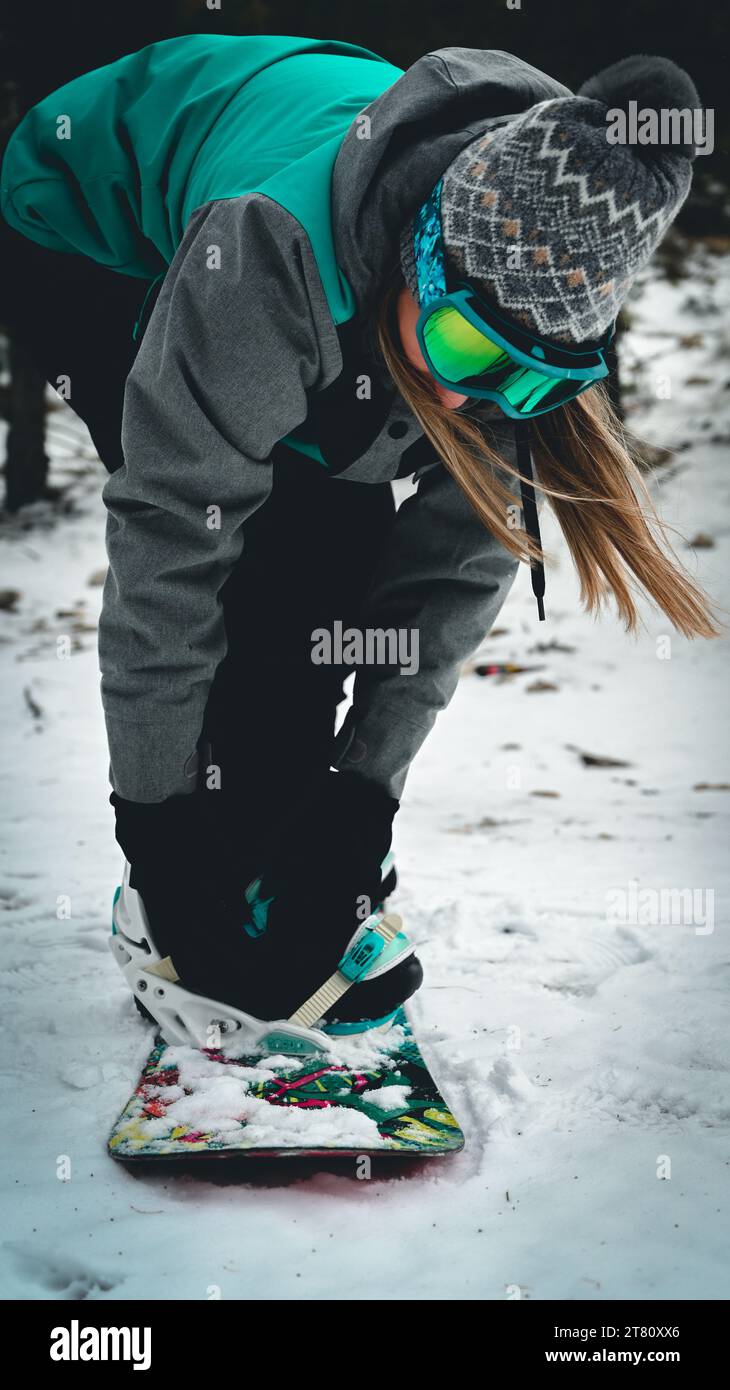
<point x="223" y="1104"/>
<point x="577" y="1025"/>
<point x="388" y="1098"/>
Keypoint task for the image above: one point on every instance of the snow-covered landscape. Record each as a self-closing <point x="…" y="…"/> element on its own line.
<point x="562" y="850"/>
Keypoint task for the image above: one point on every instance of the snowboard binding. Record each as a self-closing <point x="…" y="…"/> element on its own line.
<point x="184" y="1017"/>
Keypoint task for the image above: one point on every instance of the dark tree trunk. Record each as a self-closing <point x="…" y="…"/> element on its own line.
<point x="26" y="466"/>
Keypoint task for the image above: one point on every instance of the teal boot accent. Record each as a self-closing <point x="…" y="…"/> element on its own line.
<point x="259" y="910"/>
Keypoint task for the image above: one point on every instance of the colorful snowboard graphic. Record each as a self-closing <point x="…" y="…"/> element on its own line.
<point x="375" y="1095"/>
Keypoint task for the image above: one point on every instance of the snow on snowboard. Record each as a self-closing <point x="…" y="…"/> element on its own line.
<point x="371" y="1094"/>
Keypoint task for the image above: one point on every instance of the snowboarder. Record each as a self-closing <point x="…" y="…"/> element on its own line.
<point x="303" y="273"/>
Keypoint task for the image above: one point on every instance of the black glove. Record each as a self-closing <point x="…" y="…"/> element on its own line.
<point x="159" y="833"/>
<point x="187" y="871"/>
<point x="322" y="877"/>
<point x="322" y="880"/>
<point x="332" y="844"/>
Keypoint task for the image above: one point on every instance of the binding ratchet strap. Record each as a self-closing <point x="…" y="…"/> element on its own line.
<point x="370" y="944"/>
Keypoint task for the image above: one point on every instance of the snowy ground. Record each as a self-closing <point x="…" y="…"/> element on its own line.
<point x="585" y="1051"/>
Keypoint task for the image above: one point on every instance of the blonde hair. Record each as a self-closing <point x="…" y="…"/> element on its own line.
<point x="584" y="467"/>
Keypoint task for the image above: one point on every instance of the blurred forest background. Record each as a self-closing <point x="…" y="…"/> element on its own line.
<point x="45" y="43"/>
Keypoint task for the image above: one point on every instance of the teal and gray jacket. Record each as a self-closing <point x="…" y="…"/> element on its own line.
<point x="268" y="179"/>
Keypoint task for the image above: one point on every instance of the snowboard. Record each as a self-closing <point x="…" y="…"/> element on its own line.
<point x="373" y="1095"/>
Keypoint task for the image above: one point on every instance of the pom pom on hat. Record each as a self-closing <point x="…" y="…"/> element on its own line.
<point x="654" y="83"/>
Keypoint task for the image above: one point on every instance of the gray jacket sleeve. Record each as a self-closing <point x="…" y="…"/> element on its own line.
<point x="239" y="334"/>
<point x="444" y="577"/>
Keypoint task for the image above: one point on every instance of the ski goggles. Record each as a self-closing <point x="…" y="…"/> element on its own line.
<point x="470" y="348"/>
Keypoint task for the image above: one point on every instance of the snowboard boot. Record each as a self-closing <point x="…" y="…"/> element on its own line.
<point x="203" y="1007"/>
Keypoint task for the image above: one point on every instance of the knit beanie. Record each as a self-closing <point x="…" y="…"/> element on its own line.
<point x="551" y="221"/>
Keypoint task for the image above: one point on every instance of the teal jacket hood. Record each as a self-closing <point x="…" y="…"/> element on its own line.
<point x="114" y="164"/>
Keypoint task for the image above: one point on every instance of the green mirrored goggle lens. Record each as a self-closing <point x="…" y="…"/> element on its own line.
<point x="457" y="349"/>
<point x="529" y="391"/>
<point x="464" y="356"/>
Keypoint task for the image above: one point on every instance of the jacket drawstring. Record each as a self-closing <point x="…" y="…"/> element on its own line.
<point x="529" y="510"/>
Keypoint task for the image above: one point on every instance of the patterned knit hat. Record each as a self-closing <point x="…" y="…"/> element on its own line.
<point x="550" y="220"/>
